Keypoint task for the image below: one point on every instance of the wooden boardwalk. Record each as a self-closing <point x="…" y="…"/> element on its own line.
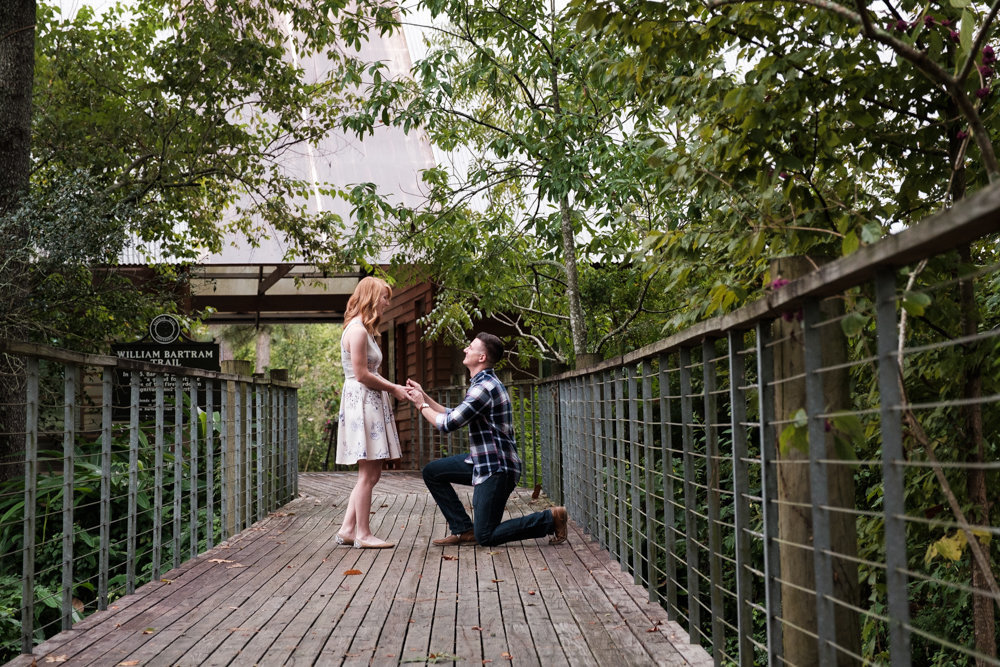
<point x="283" y="592"/>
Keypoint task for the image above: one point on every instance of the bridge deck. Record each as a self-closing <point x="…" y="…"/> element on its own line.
<point x="283" y="592"/>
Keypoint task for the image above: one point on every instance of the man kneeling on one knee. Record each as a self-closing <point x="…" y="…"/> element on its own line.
<point x="492" y="467"/>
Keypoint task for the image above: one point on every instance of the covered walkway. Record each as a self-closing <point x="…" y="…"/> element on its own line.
<point x="283" y="592"/>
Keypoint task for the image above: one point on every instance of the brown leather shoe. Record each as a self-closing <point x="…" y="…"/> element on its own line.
<point x="468" y="537"/>
<point x="559" y="518"/>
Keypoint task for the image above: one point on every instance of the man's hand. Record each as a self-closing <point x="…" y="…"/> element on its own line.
<point x="414" y="387"/>
<point x="416" y="397"/>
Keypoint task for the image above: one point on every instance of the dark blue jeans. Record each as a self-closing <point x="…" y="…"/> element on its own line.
<point x="488" y="501"/>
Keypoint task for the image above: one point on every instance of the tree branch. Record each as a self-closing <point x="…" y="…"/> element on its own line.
<point x="977" y="43"/>
<point x="934" y="72"/>
<point x="634" y="314"/>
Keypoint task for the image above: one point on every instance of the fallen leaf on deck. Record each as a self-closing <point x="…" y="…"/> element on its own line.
<point x="149" y="631"/>
<point x="496" y="581"/>
<point x="531" y="592"/>
<point x="506" y="655"/>
<point x="128" y="663"/>
<point x="234" y="565"/>
<point x="477" y="628"/>
<point x="167" y="581"/>
<point x="56" y="658"/>
<point x="219" y="560"/>
<point x="434" y="657"/>
<point x="449" y="557"/>
<point x="652" y="629"/>
<point x="492" y="553"/>
<point x="350" y="572"/>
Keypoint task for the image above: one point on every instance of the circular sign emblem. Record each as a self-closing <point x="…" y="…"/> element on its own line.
<point x="164" y="329"/>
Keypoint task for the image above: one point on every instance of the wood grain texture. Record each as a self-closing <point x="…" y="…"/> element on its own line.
<point x="283" y="593"/>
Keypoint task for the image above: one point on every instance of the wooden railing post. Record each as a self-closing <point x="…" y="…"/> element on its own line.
<point x="801" y="549"/>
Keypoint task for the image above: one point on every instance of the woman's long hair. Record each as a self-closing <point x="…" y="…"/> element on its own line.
<point x="364" y="301"/>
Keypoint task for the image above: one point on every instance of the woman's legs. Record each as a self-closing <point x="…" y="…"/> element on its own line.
<point x="356" y="519"/>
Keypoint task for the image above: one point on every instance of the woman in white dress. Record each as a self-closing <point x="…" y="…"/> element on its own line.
<point x="367" y="431"/>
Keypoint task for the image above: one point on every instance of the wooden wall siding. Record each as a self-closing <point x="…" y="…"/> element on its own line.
<point x="433" y="364"/>
<point x="430" y="363"/>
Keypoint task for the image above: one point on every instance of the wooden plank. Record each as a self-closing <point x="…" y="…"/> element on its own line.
<point x="180" y="628"/>
<point x="474" y="628"/>
<point x="538" y="614"/>
<point x="418" y="631"/>
<point x="373" y="640"/>
<point x="609" y="582"/>
<point x="571" y="633"/>
<point x="190" y="576"/>
<point x="674" y="633"/>
<point x="291" y="603"/>
<point x="288" y="634"/>
<point x="515" y="626"/>
<point x="291" y="580"/>
<point x="400" y="614"/>
<point x="363" y="622"/>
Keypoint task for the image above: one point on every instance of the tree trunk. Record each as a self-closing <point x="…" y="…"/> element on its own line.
<point x="577" y="324"/>
<point x="795" y="527"/>
<point x="17" y="69"/>
<point x="578" y="327"/>
<point x="983" y="611"/>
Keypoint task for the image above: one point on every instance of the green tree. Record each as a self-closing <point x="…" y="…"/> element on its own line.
<point x="811" y="127"/>
<point x="549" y="186"/>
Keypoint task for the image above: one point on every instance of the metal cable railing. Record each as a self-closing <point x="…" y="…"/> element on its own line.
<point x="124" y="470"/>
<point x="811" y="479"/>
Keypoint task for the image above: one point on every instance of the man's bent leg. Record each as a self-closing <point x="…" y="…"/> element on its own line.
<point x="439" y="475"/>
<point x="488" y="501"/>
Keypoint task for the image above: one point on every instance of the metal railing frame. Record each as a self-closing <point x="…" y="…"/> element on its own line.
<point x="263" y="412"/>
<point x="588" y="419"/>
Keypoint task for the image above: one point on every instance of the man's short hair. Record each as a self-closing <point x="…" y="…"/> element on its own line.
<point x="493" y="345"/>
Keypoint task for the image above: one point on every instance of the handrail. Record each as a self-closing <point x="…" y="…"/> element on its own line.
<point x="970" y="219"/>
<point x="875" y="546"/>
<point x="212" y="453"/>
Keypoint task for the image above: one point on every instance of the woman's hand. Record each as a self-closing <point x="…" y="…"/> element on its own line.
<point x="415" y="389"/>
<point x="399" y="392"/>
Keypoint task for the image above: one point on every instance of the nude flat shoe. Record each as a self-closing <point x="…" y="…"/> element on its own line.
<point x="340" y="539"/>
<point x="360" y="544"/>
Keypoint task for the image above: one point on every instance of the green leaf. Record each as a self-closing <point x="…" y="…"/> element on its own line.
<point x="853" y="324"/>
<point x="850" y="243"/>
<point x="915" y="302"/>
<point x="793" y="436"/>
<point x="960" y="3"/>
<point x="871" y="232"/>
<point x="965" y="34"/>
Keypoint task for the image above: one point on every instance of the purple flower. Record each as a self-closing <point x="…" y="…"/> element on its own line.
<point x="778" y="283"/>
<point x="928" y="20"/>
<point x="945" y="22"/>
<point x="954" y="35"/>
<point x="901" y="26"/>
<point x="988" y="56"/>
<point x="986" y="71"/>
<point x="827" y="426"/>
<point x="783" y="174"/>
<point x="962" y="134"/>
<point x="983" y="92"/>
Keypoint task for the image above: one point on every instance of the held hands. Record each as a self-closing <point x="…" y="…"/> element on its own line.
<point x="400" y="393"/>
<point x="415" y="392"/>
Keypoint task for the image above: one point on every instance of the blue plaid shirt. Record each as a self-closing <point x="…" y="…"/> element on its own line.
<point x="486" y="410"/>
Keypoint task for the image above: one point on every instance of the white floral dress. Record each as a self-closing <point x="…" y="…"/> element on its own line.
<point x="367" y="428"/>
